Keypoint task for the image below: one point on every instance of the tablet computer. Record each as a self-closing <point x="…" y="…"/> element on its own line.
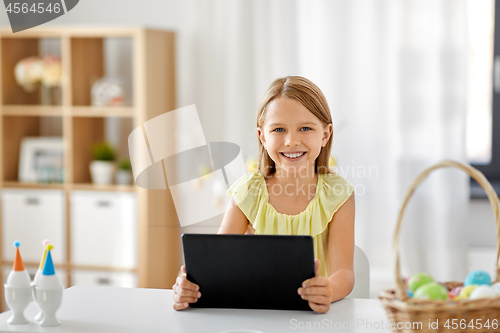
<point x="249" y="271"/>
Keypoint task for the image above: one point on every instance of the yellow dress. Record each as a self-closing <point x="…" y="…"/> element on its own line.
<point x="251" y="195"/>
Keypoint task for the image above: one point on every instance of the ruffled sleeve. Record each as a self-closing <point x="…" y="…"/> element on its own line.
<point x="248" y="194"/>
<point x="334" y="192"/>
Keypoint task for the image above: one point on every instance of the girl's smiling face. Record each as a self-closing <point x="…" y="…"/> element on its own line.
<point x="293" y="135"/>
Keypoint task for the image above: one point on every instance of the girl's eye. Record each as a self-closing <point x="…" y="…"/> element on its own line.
<point x="279" y="129"/>
<point x="306" y="129"/>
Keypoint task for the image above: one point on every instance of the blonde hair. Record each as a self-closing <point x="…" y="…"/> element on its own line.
<point x="310" y="96"/>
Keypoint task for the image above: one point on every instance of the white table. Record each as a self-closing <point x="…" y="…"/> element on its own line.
<point x="123" y="310"/>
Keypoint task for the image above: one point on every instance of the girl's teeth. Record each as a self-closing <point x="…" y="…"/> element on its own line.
<point x="293" y="155"/>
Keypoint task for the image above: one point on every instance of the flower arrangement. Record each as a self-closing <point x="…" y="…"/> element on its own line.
<point x="52" y="71"/>
<point x="33" y="71"/>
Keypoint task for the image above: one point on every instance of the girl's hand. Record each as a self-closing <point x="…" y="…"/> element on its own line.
<point x="317" y="291"/>
<point x="185" y="292"/>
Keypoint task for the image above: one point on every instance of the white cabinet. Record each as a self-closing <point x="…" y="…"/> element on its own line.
<point x="104" y="229"/>
<point x="31" y="216"/>
<point x="106" y="279"/>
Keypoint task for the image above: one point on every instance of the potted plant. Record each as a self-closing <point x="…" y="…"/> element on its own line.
<point x="102" y="167"/>
<point x="123" y="175"/>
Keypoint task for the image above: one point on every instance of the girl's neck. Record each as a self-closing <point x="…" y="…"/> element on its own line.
<point x="304" y="179"/>
<point x="303" y="173"/>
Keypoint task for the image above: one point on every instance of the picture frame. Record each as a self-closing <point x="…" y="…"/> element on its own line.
<point x="41" y="160"/>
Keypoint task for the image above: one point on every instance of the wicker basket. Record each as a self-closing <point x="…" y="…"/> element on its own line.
<point x="462" y="316"/>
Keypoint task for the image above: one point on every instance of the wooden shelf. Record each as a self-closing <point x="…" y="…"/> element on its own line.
<point x="93" y="187"/>
<point x="75" y="111"/>
<point x="31" y="110"/>
<point x="152" y="67"/>
<point x="37" y="186"/>
<point x="41" y="32"/>
<point x="110" y="111"/>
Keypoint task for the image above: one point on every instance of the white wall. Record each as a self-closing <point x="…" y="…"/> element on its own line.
<point x="482" y="237"/>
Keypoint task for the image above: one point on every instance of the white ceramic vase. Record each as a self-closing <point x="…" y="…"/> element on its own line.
<point x="123" y="177"/>
<point x="102" y="172"/>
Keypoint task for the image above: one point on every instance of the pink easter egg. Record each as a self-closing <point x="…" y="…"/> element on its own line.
<point x="455" y="291"/>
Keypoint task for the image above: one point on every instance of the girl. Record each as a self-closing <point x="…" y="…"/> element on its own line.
<point x="294" y="192"/>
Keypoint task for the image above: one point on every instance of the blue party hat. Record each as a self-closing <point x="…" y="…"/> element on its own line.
<point x="48" y="268"/>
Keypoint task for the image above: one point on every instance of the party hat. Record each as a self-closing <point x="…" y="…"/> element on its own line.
<point x="48" y="268"/>
<point x="45" y="243"/>
<point x="18" y="261"/>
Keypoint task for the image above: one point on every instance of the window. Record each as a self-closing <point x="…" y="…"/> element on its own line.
<point x="483" y="106"/>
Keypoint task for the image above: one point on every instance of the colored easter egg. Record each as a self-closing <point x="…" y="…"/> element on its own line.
<point x="49" y="282"/>
<point x="466" y="291"/>
<point x="477" y="277"/>
<point x="484" y="291"/>
<point x="454" y="292"/>
<point x="409" y="293"/>
<point x="431" y="291"/>
<point x="18" y="279"/>
<point x="419" y="279"/>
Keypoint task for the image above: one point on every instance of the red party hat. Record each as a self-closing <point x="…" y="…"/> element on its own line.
<point x="18" y="261"/>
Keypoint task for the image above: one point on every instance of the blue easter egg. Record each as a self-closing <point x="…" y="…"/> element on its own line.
<point x="477" y="277"/>
<point x="409" y="293"/>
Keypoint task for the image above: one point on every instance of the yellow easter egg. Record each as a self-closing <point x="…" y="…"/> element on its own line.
<point x="466" y="291"/>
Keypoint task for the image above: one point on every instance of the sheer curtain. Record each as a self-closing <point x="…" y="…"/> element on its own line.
<point x="394" y="74"/>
